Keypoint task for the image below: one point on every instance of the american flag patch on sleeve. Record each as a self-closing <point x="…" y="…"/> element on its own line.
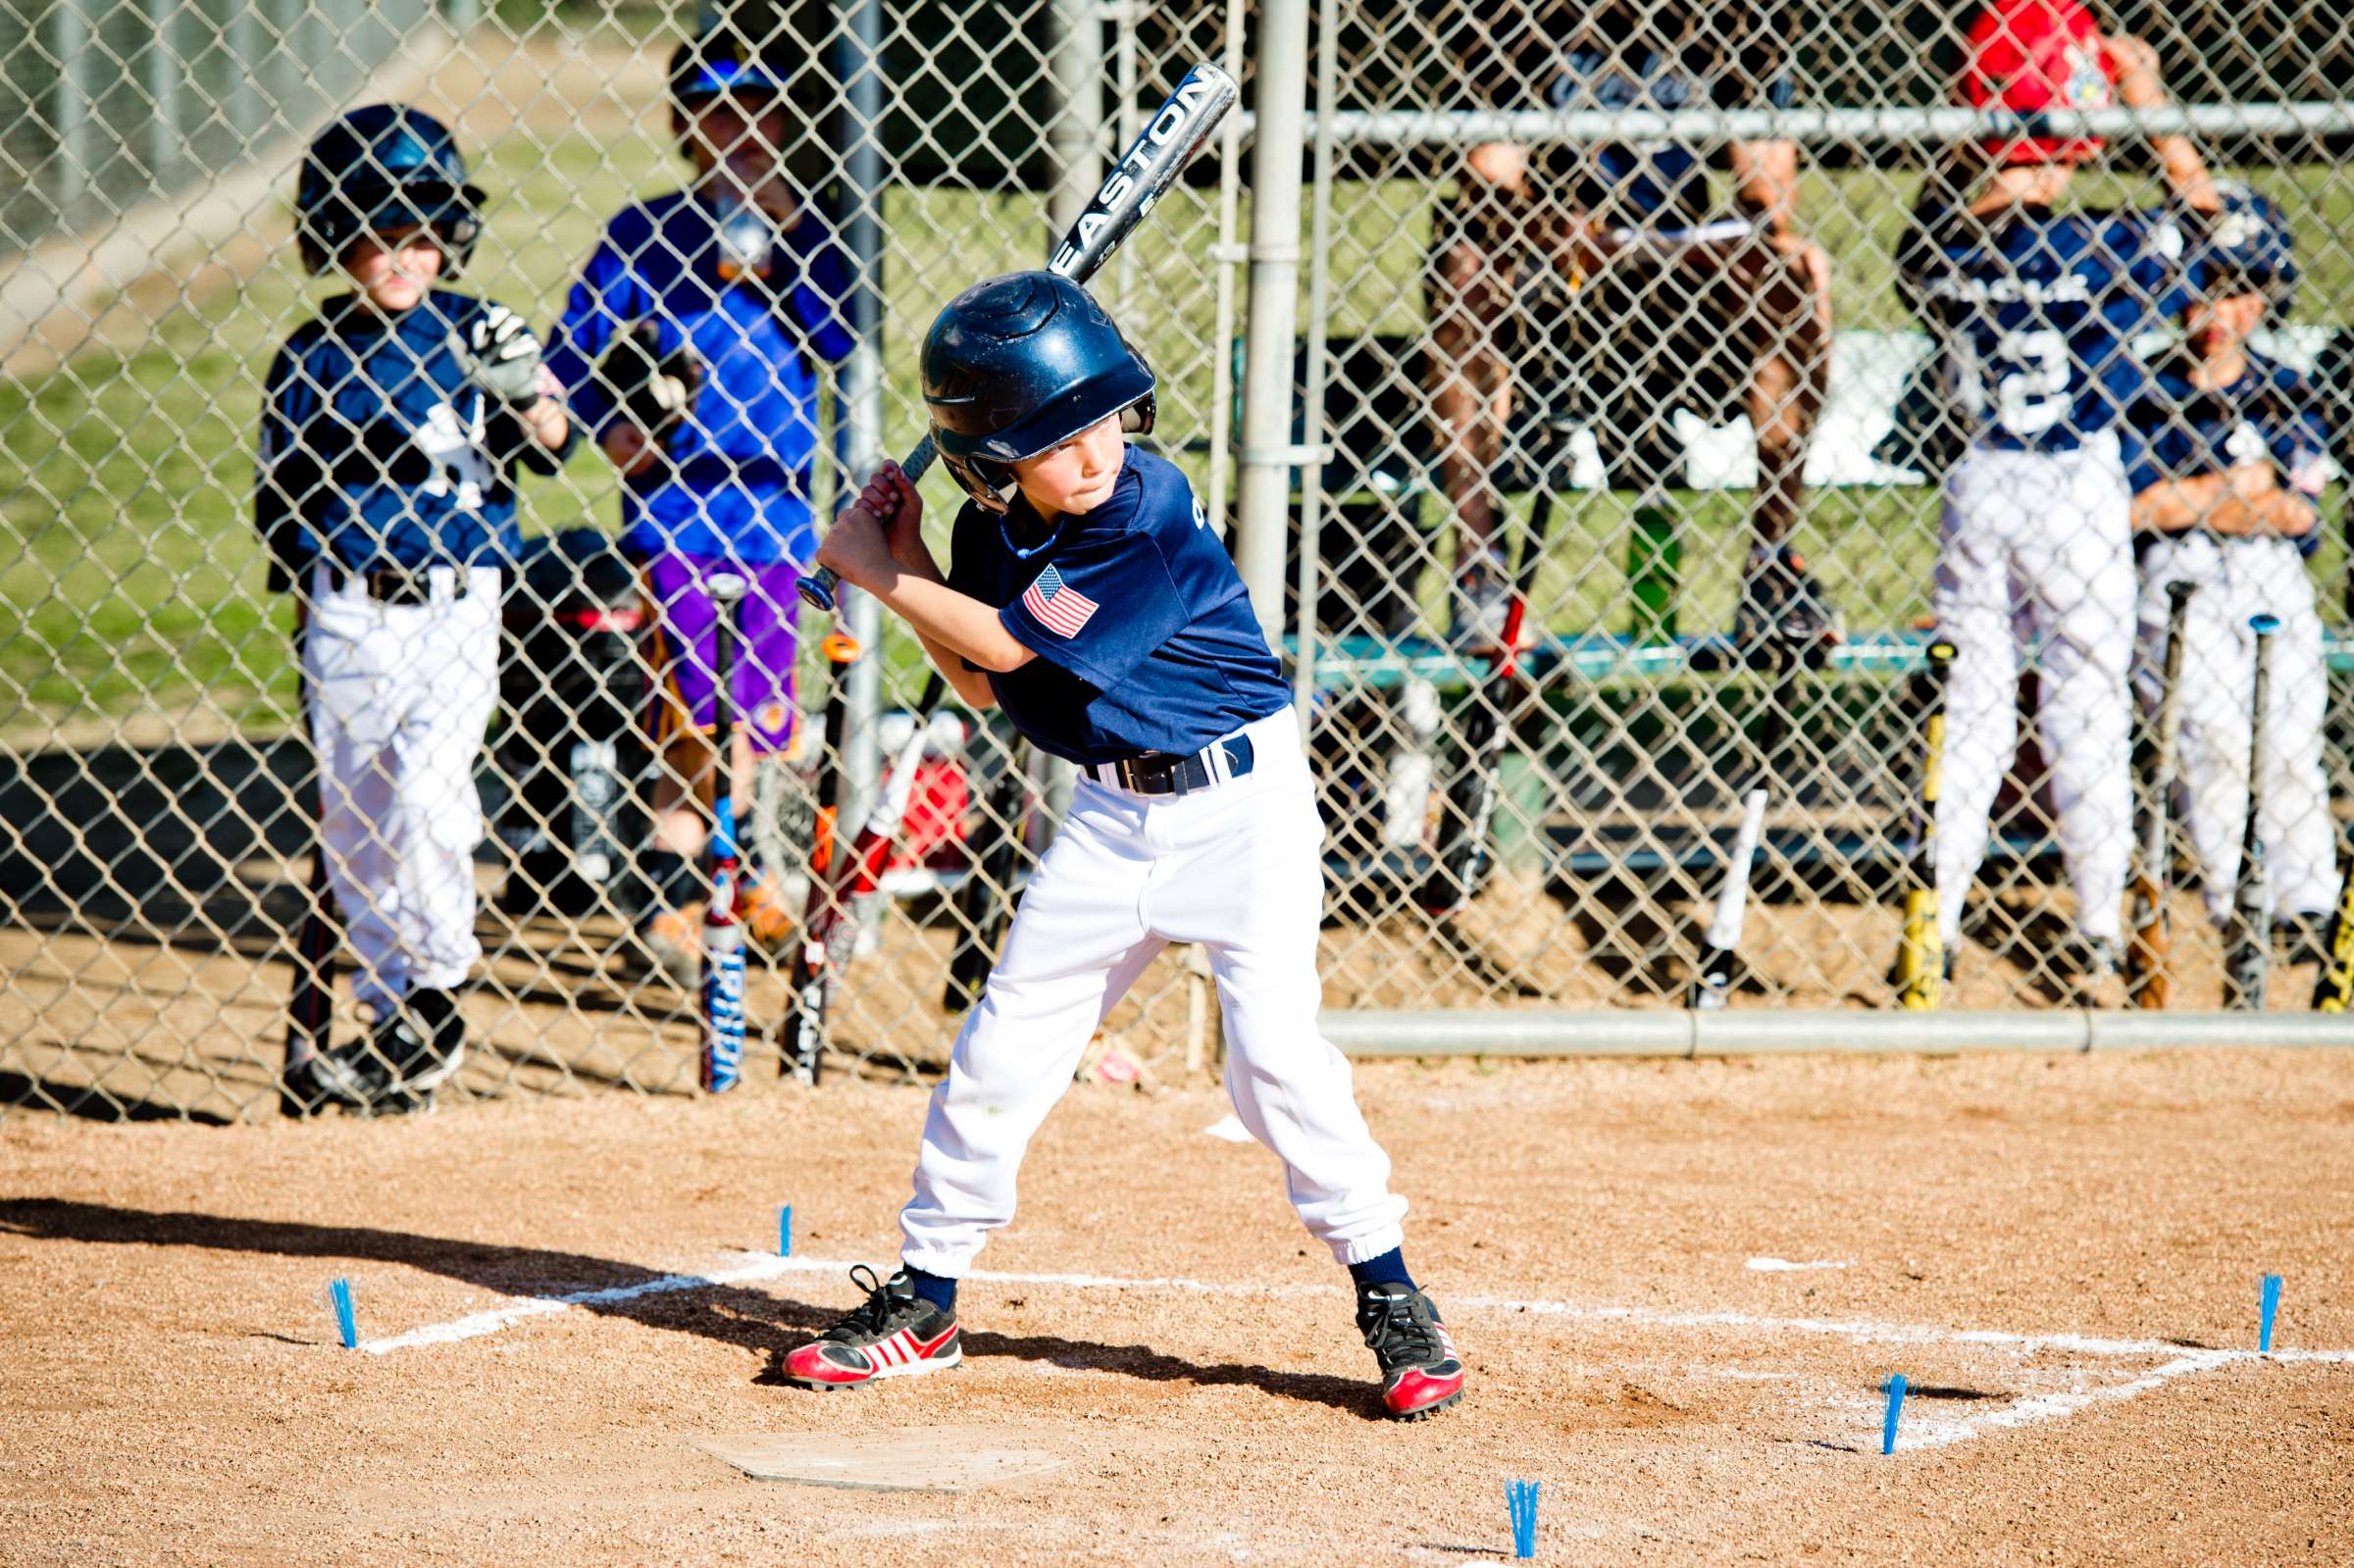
<point x="1060" y="608"/>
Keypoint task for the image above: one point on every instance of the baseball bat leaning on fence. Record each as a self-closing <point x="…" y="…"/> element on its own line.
<point x="1920" y="952"/>
<point x="841" y="651"/>
<point x="2333" y="992"/>
<point x="1713" y="976"/>
<point x="2248" y="933"/>
<point x="984" y="901"/>
<point x="839" y="901"/>
<point x="1460" y="860"/>
<point x="2150" y="940"/>
<point x="1143" y="176"/>
<point x="722" y="930"/>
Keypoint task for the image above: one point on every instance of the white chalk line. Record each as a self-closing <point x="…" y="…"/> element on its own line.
<point x="1917" y="1433"/>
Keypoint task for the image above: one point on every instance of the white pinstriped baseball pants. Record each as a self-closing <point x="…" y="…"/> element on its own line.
<point x="2036" y="560"/>
<point x="400" y="695"/>
<point x="1237" y="868"/>
<point x="2237" y="579"/>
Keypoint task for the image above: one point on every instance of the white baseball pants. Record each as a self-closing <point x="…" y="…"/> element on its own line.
<point x="2239" y="579"/>
<point x="2036" y="561"/>
<point x="400" y="698"/>
<point x="1237" y="868"/>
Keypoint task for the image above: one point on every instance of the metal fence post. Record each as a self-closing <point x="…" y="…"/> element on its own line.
<point x="1274" y="307"/>
<point x="70" y="111"/>
<point x="1075" y="122"/>
<point x="1314" y="424"/>
<point x="859" y="56"/>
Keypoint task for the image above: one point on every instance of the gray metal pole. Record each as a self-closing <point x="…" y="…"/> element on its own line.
<point x="1075" y="119"/>
<point x="69" y="112"/>
<point x="162" y="73"/>
<point x="1227" y="256"/>
<point x="245" y="41"/>
<point x="860" y="54"/>
<point x="1268" y="455"/>
<point x="1314" y="424"/>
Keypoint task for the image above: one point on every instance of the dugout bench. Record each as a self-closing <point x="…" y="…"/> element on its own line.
<point x="1632" y="760"/>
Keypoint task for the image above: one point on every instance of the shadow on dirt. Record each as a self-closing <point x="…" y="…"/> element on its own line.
<point x="730" y="1315"/>
<point x="95" y="1104"/>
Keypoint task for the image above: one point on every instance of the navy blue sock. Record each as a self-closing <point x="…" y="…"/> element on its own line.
<point x="1387" y="1269"/>
<point x="940" y="1292"/>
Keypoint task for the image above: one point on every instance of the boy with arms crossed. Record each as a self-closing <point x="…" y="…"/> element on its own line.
<point x="2226" y="452"/>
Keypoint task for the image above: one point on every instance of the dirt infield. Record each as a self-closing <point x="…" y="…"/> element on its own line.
<point x="2061" y="1254"/>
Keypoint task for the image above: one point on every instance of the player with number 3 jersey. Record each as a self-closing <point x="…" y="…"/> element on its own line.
<point x="2035" y="310"/>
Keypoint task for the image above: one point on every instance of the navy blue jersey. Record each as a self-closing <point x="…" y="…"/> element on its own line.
<point x="1145" y="635"/>
<point x="2175" y="430"/>
<point x="745" y="453"/>
<point x="376" y="449"/>
<point x="1550" y="54"/>
<point x="2036" y="311"/>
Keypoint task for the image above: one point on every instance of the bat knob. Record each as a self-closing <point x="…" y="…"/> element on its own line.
<point x="817" y="588"/>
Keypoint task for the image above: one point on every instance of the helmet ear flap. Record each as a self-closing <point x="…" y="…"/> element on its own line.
<point x="987" y="482"/>
<point x="1137" y="417"/>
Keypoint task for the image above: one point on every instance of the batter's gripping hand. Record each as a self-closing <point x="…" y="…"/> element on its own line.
<point x="894" y="501"/>
<point x="501" y="356"/>
<point x="653" y="390"/>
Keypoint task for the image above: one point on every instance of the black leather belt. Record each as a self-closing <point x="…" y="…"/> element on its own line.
<point x="401" y="584"/>
<point x="1164" y="772"/>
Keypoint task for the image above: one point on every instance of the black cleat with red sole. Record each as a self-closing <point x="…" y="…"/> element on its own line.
<point x="1420" y="1373"/>
<point x="895" y="1334"/>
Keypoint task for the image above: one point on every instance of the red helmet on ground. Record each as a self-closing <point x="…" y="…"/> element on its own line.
<point x="2031" y="55"/>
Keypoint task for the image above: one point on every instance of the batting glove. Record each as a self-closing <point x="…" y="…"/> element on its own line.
<point x="502" y="357"/>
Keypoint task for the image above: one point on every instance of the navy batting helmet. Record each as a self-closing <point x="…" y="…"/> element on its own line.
<point x="719" y="63"/>
<point x="2248" y="249"/>
<point x="378" y="167"/>
<point x="1019" y="363"/>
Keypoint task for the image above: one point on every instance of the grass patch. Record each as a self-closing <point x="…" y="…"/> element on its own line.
<point x="135" y="578"/>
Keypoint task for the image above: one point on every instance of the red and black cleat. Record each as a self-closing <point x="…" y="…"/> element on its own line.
<point x="1420" y="1373"/>
<point x="895" y="1334"/>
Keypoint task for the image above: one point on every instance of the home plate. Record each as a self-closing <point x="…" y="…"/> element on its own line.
<point x="893" y="1459"/>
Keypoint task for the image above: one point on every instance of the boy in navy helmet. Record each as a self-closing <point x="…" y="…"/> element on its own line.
<point x="734" y="286"/>
<point x="2226" y="452"/>
<point x="392" y="425"/>
<point x="1086" y="595"/>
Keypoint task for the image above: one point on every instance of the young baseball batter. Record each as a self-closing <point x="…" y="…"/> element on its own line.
<point x="2035" y="311"/>
<point x="2226" y="452"/>
<point x="391" y="426"/>
<point x="1088" y="597"/>
<point x="734" y="286"/>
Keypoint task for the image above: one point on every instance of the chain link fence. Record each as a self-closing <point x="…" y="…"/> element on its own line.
<point x="1615" y="304"/>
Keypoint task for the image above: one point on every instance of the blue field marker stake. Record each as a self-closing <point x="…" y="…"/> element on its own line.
<point x="2263" y="1319"/>
<point x="348" y="1325"/>
<point x="785" y="1232"/>
<point x="1896" y="1403"/>
<point x="1521" y="1497"/>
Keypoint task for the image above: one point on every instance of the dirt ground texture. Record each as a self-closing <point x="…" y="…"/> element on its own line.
<point x="2061" y="1254"/>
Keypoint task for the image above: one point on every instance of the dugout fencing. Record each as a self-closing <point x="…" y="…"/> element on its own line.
<point x="1333" y="317"/>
